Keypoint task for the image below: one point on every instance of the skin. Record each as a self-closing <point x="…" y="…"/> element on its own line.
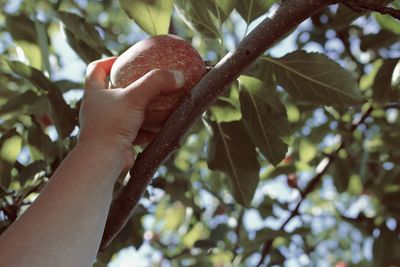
<point x="63" y="227"/>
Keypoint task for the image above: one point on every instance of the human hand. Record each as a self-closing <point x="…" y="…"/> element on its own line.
<point x="112" y="117"/>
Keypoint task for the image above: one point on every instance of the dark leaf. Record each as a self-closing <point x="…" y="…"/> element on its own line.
<point x="64" y="116"/>
<point x="382" y="87"/>
<point x="84" y="51"/>
<point x="40" y="144"/>
<point x="83" y="31"/>
<point x="232" y="152"/>
<point x="19" y="103"/>
<point x="265" y="118"/>
<point x="29" y="171"/>
<point x="314" y="78"/>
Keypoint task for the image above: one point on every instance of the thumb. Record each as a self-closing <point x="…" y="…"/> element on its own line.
<point x="152" y="84"/>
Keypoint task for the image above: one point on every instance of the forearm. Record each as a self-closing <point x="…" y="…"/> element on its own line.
<point x="63" y="227"/>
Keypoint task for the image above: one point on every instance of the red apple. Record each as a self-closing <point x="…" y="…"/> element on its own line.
<point x="166" y="52"/>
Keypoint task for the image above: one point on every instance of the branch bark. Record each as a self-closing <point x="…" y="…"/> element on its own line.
<point x="289" y="15"/>
<point x="323" y="167"/>
<point x="357" y="5"/>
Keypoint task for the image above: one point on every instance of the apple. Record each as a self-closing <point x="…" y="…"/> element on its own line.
<point x="166" y="52"/>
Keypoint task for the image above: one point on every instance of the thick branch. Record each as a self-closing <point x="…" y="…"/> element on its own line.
<point x="323" y="166"/>
<point x="358" y="5"/>
<point x="289" y="15"/>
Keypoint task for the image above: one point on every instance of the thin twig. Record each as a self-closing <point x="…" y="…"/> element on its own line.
<point x="358" y="5"/>
<point x="324" y="165"/>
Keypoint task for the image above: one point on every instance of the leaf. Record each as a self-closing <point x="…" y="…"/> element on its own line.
<point x="29" y="171"/>
<point x="64" y="116"/>
<point x="40" y="144"/>
<point x="345" y="16"/>
<point x="224" y="110"/>
<point x="386" y="247"/>
<point x="382" y="87"/>
<point x="10" y="146"/>
<point x="376" y="41"/>
<point x="198" y="17"/>
<point x="83" y="32"/>
<point x="388" y="22"/>
<point x="341" y="174"/>
<point x="84" y="51"/>
<point x="21" y="28"/>
<point x="231" y="151"/>
<point x="252" y="9"/>
<point x="307" y="151"/>
<point x="266" y="207"/>
<point x="205" y="244"/>
<point x="19" y="103"/>
<point x="221" y="9"/>
<point x="153" y="16"/>
<point x="265" y="118"/>
<point x="316" y="79"/>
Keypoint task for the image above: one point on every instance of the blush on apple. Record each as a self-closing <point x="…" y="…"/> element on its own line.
<point x="166" y="52"/>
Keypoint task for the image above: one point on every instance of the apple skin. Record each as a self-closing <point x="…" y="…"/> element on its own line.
<point x="165" y="52"/>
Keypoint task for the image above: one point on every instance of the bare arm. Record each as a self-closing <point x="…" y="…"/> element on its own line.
<point x="63" y="227"/>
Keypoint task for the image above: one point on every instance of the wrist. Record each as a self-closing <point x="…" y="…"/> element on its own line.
<point x="118" y="156"/>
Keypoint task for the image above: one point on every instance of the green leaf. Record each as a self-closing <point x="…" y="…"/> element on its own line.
<point x="388" y="22"/>
<point x="265" y="118"/>
<point x="382" y="87"/>
<point x="41" y="31"/>
<point x="221" y="8"/>
<point x="316" y="79"/>
<point x="10" y="147"/>
<point x="307" y="151"/>
<point x="194" y="234"/>
<point x="231" y="151"/>
<point x="152" y="16"/>
<point x="83" y="32"/>
<point x="65" y="117"/>
<point x="198" y="17"/>
<point x="224" y="110"/>
<point x="252" y="9"/>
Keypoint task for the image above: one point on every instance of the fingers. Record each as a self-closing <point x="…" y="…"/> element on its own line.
<point x="144" y="138"/>
<point x="97" y="72"/>
<point x="152" y="84"/>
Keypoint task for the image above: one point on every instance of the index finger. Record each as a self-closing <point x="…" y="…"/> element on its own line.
<point x="97" y="72"/>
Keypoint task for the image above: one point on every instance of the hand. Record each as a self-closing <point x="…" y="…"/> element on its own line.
<point x="113" y="117"/>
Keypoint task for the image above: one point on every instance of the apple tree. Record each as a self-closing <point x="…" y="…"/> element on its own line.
<point x="285" y="153"/>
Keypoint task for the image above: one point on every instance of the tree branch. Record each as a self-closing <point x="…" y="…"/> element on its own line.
<point x="288" y="16"/>
<point x="358" y="5"/>
<point x="323" y="167"/>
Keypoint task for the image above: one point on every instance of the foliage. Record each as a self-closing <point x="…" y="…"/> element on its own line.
<point x="246" y="163"/>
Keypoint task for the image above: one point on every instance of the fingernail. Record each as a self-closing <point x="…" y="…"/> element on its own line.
<point x="179" y="78"/>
